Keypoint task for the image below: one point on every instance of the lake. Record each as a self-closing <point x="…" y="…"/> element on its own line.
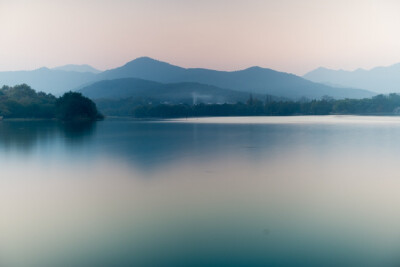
<point x="259" y="191"/>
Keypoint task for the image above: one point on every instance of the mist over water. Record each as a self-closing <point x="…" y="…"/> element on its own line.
<point x="298" y="191"/>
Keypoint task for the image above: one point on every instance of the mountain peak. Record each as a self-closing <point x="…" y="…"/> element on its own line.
<point x="321" y="69"/>
<point x="254" y="68"/>
<point x="42" y="69"/>
<point x="145" y="60"/>
<point x="77" y="68"/>
<point x="150" y="63"/>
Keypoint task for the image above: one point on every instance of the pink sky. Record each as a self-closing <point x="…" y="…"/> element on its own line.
<point x="287" y="35"/>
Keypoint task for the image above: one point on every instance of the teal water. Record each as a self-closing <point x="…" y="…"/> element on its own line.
<point x="261" y="191"/>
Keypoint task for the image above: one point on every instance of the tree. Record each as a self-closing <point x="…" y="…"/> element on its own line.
<point x="74" y="106"/>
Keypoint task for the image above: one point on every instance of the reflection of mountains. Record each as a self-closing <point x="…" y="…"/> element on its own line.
<point x="25" y="135"/>
<point x="152" y="145"/>
<point x="146" y="145"/>
<point x="149" y="145"/>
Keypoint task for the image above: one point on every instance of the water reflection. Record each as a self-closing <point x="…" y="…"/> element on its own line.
<point x="77" y="132"/>
<point x="129" y="193"/>
<point x="152" y="145"/>
<point x="27" y="135"/>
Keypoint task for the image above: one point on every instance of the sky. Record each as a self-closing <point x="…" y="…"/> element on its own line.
<point x="293" y="36"/>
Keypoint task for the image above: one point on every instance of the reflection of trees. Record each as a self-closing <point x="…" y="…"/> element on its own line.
<point x="77" y="131"/>
<point x="147" y="145"/>
<point x="25" y="135"/>
<point x="150" y="145"/>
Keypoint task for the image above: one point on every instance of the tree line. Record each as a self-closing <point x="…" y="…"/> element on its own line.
<point x="378" y="105"/>
<point x="21" y="101"/>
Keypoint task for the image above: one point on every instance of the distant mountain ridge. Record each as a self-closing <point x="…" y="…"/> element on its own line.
<point x="252" y="80"/>
<point x="78" y="68"/>
<point x="255" y="80"/>
<point x="186" y="92"/>
<point x="378" y="79"/>
<point x="47" y="80"/>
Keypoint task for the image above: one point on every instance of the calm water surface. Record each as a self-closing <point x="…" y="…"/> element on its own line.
<point x="261" y="191"/>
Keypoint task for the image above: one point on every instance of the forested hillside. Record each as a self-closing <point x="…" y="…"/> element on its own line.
<point x="22" y="101"/>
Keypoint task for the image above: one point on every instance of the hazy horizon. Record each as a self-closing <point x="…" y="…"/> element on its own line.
<point x="289" y="36"/>
<point x="172" y="63"/>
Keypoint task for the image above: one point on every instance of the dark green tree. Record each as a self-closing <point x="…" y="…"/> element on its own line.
<point x="74" y="106"/>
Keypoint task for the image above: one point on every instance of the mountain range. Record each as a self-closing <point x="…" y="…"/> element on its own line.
<point x="185" y="92"/>
<point x="254" y="80"/>
<point x="380" y="79"/>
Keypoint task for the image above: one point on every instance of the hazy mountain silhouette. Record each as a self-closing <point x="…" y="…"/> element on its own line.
<point x="186" y="92"/>
<point x="379" y="79"/>
<point x="47" y="80"/>
<point x="251" y="80"/>
<point x="77" y="68"/>
<point x="254" y="80"/>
